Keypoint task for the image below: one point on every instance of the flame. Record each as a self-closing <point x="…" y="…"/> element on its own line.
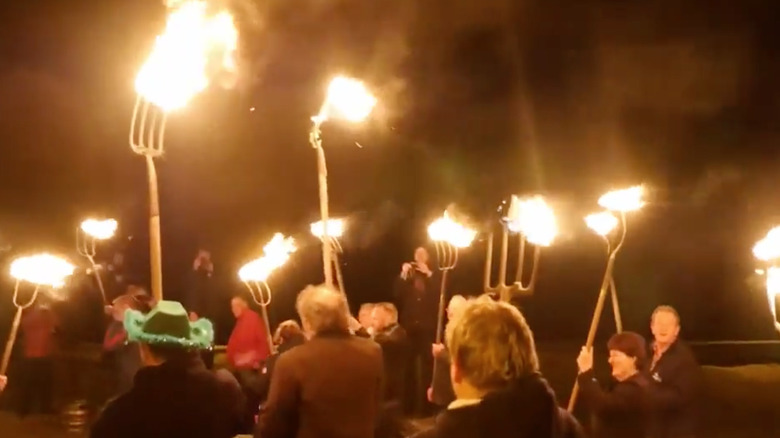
<point x="768" y="248"/>
<point x="534" y="218"/>
<point x="347" y="99"/>
<point x="601" y="223"/>
<point x="42" y="269"/>
<point x="624" y="200"/>
<point x="335" y="228"/>
<point x="447" y="230"/>
<point x="195" y="42"/>
<point x="275" y="254"/>
<point x="99" y="229"/>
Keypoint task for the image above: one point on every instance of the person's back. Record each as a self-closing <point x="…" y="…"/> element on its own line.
<point x="173" y="395"/>
<point x="175" y="399"/>
<point x="527" y="408"/>
<point x="495" y="376"/>
<point x="331" y="385"/>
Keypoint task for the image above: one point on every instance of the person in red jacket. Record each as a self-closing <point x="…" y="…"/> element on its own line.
<point x="247" y="348"/>
<point x="38" y="326"/>
<point x="247" y="351"/>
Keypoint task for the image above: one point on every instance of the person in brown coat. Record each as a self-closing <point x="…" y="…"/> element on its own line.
<point x="331" y="386"/>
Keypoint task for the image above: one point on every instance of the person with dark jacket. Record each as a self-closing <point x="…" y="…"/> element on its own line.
<point x="392" y="338"/>
<point x="330" y="386"/>
<point x="173" y="395"/>
<point x="123" y="354"/>
<point x="288" y="335"/>
<point x="625" y="411"/>
<point x="417" y="300"/>
<point x="675" y="375"/>
<point x="495" y="374"/>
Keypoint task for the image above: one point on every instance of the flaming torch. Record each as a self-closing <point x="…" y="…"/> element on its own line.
<point x="347" y="99"/>
<point x="534" y="222"/>
<point x="621" y="202"/>
<point x="448" y="236"/>
<point x="768" y="250"/>
<point x="176" y="70"/>
<point x="42" y="270"/>
<point x="335" y="230"/>
<point x="90" y="231"/>
<point x="255" y="274"/>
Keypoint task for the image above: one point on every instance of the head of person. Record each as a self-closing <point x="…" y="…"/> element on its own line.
<point x="238" y="306"/>
<point x="166" y="333"/>
<point x="456" y="304"/>
<point x="384" y="315"/>
<point x="421" y="255"/>
<point x="322" y="310"/>
<point x="665" y="325"/>
<point x="287" y="331"/>
<point x="365" y="314"/>
<point x="134" y="298"/>
<point x="627" y="354"/>
<point x="490" y="345"/>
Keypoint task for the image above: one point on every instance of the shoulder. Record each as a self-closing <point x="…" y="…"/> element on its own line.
<point x="114" y="417"/>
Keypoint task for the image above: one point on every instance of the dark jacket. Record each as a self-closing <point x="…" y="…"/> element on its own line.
<point x="264" y="382"/>
<point x="441" y="386"/>
<point x="178" y="399"/>
<point x="331" y="386"/>
<point x="417" y="299"/>
<point x="395" y="351"/>
<point x="676" y="379"/>
<point x="623" y="412"/>
<point x="525" y="409"/>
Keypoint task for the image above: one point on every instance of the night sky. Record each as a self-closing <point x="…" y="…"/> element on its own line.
<point x="478" y="100"/>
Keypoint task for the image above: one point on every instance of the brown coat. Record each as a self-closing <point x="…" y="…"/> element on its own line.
<point x="329" y="387"/>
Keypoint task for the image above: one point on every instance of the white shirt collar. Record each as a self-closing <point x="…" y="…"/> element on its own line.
<point x="461" y="403"/>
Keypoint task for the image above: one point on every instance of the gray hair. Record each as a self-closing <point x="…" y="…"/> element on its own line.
<point x="390" y="309"/>
<point x="666" y="309"/>
<point x="322" y="309"/>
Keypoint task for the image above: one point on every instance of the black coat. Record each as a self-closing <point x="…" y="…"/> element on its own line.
<point x="676" y="379"/>
<point x="417" y="299"/>
<point x="623" y="412"/>
<point x="395" y="351"/>
<point x="525" y="409"/>
<point x="178" y="399"/>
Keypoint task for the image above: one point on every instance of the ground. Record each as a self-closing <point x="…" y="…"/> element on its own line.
<point x="738" y="402"/>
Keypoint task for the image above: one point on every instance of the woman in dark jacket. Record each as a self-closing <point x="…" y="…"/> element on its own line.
<point x="288" y="335"/>
<point x="623" y="412"/>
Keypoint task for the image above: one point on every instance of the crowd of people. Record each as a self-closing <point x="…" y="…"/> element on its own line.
<point x="334" y="375"/>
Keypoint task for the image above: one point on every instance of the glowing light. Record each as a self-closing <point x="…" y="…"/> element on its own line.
<point x="196" y="42"/>
<point x="533" y="218"/>
<point x="624" y="200"/>
<point x="768" y="248"/>
<point x="275" y="254"/>
<point x="447" y="230"/>
<point x="347" y="99"/>
<point x="42" y="269"/>
<point x="335" y="228"/>
<point x="601" y="223"/>
<point x="773" y="288"/>
<point x="99" y="229"/>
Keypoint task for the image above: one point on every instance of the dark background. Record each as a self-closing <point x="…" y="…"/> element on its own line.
<point x="478" y="100"/>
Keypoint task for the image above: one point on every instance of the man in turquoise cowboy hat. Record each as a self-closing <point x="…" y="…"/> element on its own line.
<point x="173" y="394"/>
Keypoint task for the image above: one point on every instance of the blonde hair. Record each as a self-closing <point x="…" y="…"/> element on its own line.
<point x="491" y="344"/>
<point x="322" y="308"/>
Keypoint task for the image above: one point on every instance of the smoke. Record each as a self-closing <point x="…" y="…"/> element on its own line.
<point x="368" y="228"/>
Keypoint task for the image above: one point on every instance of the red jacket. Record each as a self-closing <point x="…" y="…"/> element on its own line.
<point x="38" y="327"/>
<point x="248" y="339"/>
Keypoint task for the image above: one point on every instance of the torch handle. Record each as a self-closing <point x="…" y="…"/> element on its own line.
<point x="9" y="345"/>
<point x="268" y="334"/>
<point x="99" y="280"/>
<point x="442" y="299"/>
<point x="594" y="324"/>
<point x="155" y="246"/>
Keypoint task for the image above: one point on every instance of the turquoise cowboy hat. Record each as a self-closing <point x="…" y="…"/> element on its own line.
<point x="168" y="324"/>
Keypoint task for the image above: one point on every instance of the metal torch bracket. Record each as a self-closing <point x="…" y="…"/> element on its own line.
<point x="503" y="290"/>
